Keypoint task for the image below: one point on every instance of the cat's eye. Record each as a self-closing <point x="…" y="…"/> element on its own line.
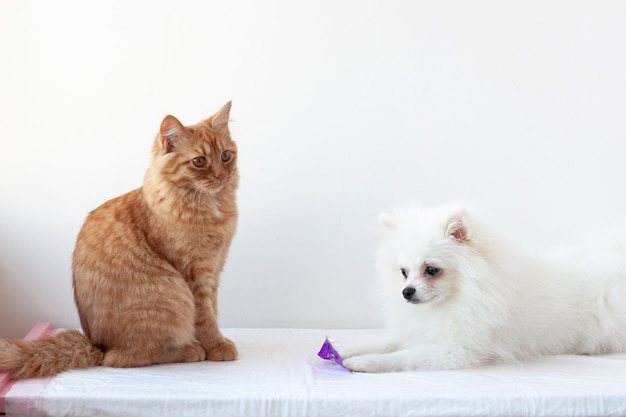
<point x="431" y="270"/>
<point x="199" y="161"/>
<point x="405" y="273"/>
<point x="226" y="156"/>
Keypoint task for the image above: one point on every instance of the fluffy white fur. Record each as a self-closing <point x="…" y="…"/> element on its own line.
<point x="474" y="299"/>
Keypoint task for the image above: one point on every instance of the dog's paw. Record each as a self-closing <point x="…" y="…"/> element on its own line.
<point x="346" y="351"/>
<point x="364" y="363"/>
<point x="373" y="363"/>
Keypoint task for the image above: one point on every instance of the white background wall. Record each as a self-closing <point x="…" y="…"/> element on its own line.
<point x="341" y="109"/>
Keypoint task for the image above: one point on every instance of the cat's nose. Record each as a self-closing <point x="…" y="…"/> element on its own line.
<point x="408" y="293"/>
<point x="219" y="176"/>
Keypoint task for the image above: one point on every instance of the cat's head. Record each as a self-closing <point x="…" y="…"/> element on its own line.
<point x="197" y="158"/>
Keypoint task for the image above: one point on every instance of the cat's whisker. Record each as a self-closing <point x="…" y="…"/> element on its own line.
<point x="180" y="200"/>
<point x="188" y="199"/>
<point x="197" y="195"/>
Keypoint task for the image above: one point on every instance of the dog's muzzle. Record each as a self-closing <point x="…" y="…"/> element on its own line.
<point x="409" y="294"/>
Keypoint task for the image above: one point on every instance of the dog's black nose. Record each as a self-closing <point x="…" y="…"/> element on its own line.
<point x="408" y="293"/>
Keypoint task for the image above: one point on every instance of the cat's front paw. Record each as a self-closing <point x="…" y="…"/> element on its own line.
<point x="225" y="350"/>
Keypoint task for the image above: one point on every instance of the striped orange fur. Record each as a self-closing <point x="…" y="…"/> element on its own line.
<point x="147" y="264"/>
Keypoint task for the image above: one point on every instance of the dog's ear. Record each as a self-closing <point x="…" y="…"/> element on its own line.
<point x="388" y="221"/>
<point x="457" y="228"/>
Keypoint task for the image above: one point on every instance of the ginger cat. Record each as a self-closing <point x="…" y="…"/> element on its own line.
<point x="147" y="264"/>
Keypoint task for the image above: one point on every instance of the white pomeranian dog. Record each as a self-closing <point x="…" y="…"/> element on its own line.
<point x="458" y="295"/>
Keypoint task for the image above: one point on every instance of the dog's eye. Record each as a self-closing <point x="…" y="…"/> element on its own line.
<point x="431" y="270"/>
<point x="405" y="273"/>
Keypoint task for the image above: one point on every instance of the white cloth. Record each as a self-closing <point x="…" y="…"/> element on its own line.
<point x="279" y="374"/>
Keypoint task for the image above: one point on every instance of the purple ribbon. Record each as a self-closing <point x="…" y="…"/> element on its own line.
<point x="329" y="353"/>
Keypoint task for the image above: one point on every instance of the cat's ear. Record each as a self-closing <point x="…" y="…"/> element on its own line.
<point x="220" y="119"/>
<point x="388" y="221"/>
<point x="172" y="130"/>
<point x="457" y="228"/>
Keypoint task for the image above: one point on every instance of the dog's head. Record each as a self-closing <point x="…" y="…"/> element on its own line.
<point x="426" y="252"/>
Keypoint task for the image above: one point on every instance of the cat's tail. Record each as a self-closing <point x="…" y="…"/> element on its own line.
<point x="47" y="357"/>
